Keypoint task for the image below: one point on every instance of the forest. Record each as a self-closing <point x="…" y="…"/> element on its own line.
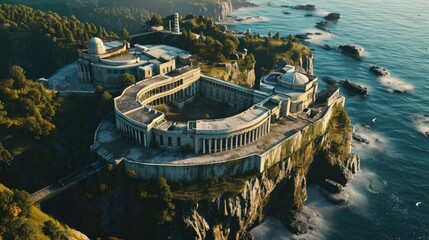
<point x="41" y="42"/>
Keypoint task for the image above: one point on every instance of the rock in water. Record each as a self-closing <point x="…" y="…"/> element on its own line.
<point x="332" y="186"/>
<point x="353" y="163"/>
<point x="332" y="17"/>
<point x="351" y="51"/>
<point x="379" y="70"/>
<point x="359" y="138"/>
<point x="322" y="25"/>
<point x="355" y="88"/>
<point x="307" y="7"/>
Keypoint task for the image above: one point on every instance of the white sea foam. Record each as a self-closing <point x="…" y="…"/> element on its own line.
<point x="318" y="36"/>
<point x="244" y="20"/>
<point x="395" y="84"/>
<point x="272" y="228"/>
<point x="365" y="181"/>
<point x="421" y="123"/>
<point x="321" y="13"/>
<point x="377" y="142"/>
<point x="320" y="211"/>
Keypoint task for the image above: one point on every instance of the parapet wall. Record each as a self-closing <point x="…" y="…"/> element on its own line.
<point x="292" y="142"/>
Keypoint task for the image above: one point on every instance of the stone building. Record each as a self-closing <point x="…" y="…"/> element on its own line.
<point x="170" y="80"/>
<point x="104" y="63"/>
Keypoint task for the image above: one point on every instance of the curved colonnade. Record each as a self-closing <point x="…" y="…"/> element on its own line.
<point x="136" y="117"/>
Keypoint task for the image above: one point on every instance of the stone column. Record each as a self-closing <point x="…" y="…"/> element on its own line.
<point x="204" y="146"/>
<point x="215" y="145"/>
<point x="210" y="145"/>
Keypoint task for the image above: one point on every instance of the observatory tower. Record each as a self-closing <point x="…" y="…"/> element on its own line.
<point x="176" y="23"/>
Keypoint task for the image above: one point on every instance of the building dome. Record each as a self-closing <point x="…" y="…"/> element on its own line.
<point x="96" y="46"/>
<point x="293" y="78"/>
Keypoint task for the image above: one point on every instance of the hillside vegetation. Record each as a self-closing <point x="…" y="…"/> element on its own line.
<point x="41" y="42"/>
<point x="20" y="220"/>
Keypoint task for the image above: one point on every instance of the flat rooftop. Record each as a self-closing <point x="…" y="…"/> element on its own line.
<point x="163" y="51"/>
<point x="233" y="122"/>
<point x="143" y="115"/>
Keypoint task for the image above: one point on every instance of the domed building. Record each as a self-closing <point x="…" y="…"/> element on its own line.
<point x="104" y="63"/>
<point x="96" y="46"/>
<point x="299" y="88"/>
<point x="293" y="80"/>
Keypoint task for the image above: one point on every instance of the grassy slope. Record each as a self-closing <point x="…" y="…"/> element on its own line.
<point x="39" y="217"/>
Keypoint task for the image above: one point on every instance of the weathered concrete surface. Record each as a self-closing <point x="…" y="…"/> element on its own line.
<point x="67" y="80"/>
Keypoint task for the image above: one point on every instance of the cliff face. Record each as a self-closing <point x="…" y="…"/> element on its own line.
<point x="306" y="62"/>
<point x="218" y="10"/>
<point x="241" y="76"/>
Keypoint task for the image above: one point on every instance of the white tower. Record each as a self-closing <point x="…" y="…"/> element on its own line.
<point x="176" y="23"/>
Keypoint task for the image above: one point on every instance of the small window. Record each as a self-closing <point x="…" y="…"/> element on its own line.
<point x="169" y="141"/>
<point x="179" y="143"/>
<point x="161" y="140"/>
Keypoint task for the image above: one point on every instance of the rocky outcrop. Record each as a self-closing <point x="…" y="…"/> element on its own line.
<point x="217" y="10"/>
<point x="332" y="17"/>
<point x="351" y="51"/>
<point x="307" y="64"/>
<point x="356" y="88"/>
<point x="322" y="25"/>
<point x="240" y="76"/>
<point x="379" y="71"/>
<point x="308" y="7"/>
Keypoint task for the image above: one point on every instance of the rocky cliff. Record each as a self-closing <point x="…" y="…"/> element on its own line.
<point x="324" y="156"/>
<point x="306" y="62"/>
<point x="218" y="10"/>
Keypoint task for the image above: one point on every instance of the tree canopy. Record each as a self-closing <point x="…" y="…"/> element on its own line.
<point x="26" y="108"/>
<point x="41" y="41"/>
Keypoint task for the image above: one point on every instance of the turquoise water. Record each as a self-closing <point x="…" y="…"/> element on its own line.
<point x="395" y="167"/>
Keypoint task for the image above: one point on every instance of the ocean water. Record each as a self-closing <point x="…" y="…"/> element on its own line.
<point x="395" y="166"/>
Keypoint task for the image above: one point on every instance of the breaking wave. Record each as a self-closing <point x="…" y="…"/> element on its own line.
<point x="395" y="84"/>
<point x="376" y="142"/>
<point x="421" y="123"/>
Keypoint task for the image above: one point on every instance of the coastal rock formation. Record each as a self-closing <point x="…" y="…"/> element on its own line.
<point x="332" y="17"/>
<point x="217" y="10"/>
<point x="332" y="186"/>
<point x="322" y="25"/>
<point x="307" y="63"/>
<point x="351" y="51"/>
<point x="379" y="70"/>
<point x="356" y="88"/>
<point x="308" y="7"/>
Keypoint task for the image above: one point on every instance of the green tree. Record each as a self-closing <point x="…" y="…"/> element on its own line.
<point x="5" y="158"/>
<point x="165" y="204"/>
<point x="128" y="79"/>
<point x="51" y="230"/>
<point x="229" y="46"/>
<point x="105" y="104"/>
<point x="155" y="20"/>
<point x="125" y="34"/>
<point x="250" y="61"/>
